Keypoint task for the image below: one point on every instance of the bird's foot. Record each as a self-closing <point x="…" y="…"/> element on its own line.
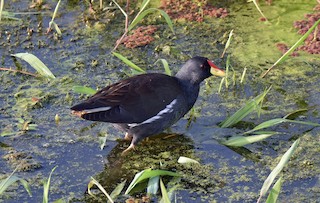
<point x="128" y="137"/>
<point x="125" y="152"/>
<point x="78" y="113"/>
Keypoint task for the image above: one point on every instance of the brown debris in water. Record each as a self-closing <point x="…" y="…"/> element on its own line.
<point x="139" y="37"/>
<point x="312" y="43"/>
<point x="191" y="10"/>
<point x="284" y="48"/>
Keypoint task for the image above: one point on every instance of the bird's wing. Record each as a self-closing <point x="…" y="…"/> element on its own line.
<point x="133" y="100"/>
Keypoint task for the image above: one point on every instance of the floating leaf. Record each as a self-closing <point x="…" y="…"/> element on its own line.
<point x="36" y="63"/>
<point x="83" y="90"/>
<point x="284" y="160"/>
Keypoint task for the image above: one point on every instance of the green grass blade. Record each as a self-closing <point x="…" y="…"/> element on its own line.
<point x="148" y="11"/>
<point x="36" y="63"/>
<point x="137" y="18"/>
<point x="239" y="141"/>
<point x="165" y="196"/>
<point x="46" y="187"/>
<point x="146" y="174"/>
<point x="115" y="193"/>
<point x="56" y="10"/>
<point x="243" y="74"/>
<point x="123" y="12"/>
<point x="95" y="182"/>
<point x="245" y="110"/>
<point x="165" y="66"/>
<point x="277" y="121"/>
<point x="26" y="186"/>
<point x="298" y="43"/>
<point x="258" y="8"/>
<point x="274" y="193"/>
<point x="4" y="184"/>
<point x="153" y="185"/>
<point x="221" y="83"/>
<point x="227" y="43"/>
<point x="284" y="160"/>
<point x="128" y="62"/>
<point x="84" y="90"/>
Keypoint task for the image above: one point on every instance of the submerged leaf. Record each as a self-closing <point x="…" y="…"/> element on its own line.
<point x="83" y="90"/>
<point x="36" y="63"/>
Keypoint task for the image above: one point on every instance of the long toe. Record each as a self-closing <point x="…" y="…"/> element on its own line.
<point x="131" y="147"/>
<point x="127" y="136"/>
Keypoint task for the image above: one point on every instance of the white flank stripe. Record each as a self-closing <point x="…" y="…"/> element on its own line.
<point x="97" y="109"/>
<point x="168" y="109"/>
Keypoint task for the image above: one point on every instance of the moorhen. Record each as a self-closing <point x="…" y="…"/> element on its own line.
<point x="147" y="104"/>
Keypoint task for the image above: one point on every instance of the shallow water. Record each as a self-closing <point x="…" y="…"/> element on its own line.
<point x="82" y="57"/>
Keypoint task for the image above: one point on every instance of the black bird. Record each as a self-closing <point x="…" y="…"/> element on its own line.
<point x="147" y="104"/>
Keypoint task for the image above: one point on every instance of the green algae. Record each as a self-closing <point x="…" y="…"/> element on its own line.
<point x="254" y="42"/>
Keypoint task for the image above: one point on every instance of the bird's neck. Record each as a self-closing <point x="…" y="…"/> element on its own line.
<point x="191" y="91"/>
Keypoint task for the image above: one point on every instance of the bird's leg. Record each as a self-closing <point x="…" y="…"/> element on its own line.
<point x="127" y="136"/>
<point x="131" y="147"/>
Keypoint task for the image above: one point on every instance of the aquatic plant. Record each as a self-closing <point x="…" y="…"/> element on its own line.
<point x="298" y="43"/>
<point x="11" y="179"/>
<point x="264" y="18"/>
<point x="275" y="172"/>
<point x="22" y="125"/>
<point x="52" y="23"/>
<point x="141" y="14"/>
<point x="250" y="106"/>
<point x="192" y="10"/>
<point x="36" y="63"/>
<point x="139" y="37"/>
<point x="46" y="187"/>
<point x="154" y="177"/>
